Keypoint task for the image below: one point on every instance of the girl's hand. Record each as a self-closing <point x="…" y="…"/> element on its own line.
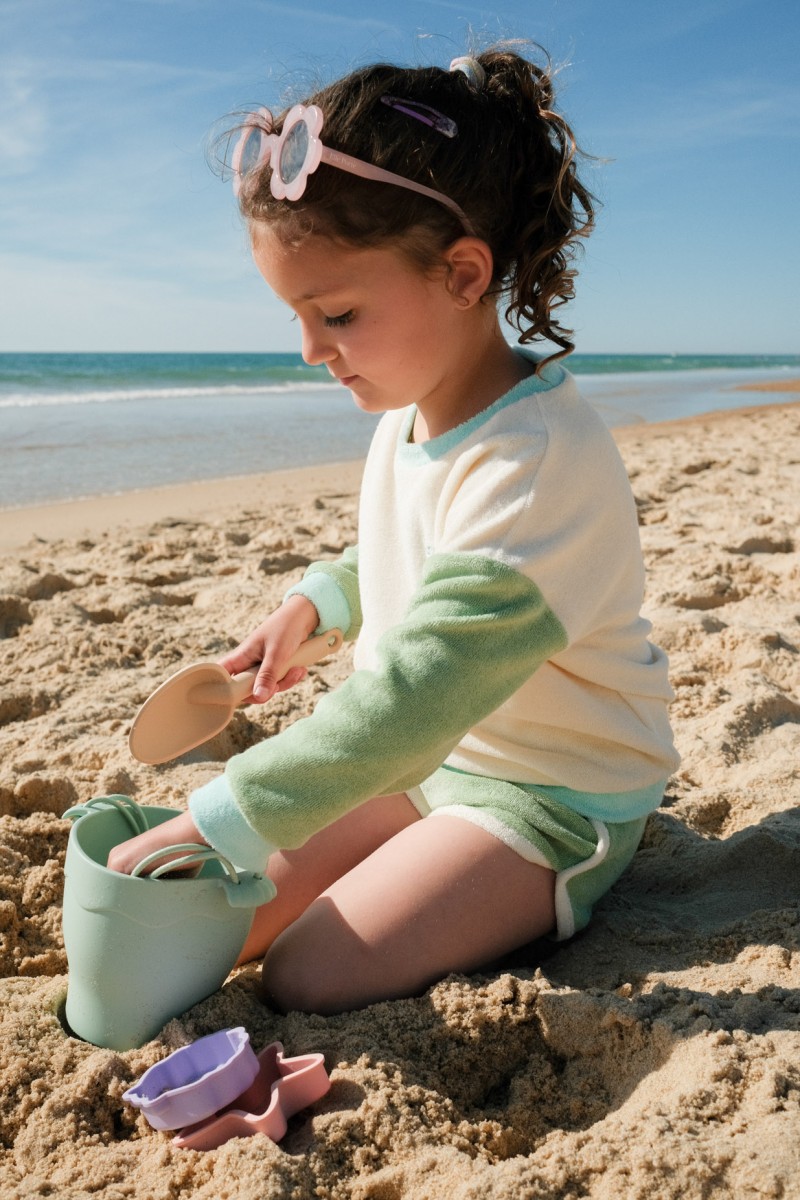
<point x="270" y="647"/>
<point x="124" y="857"/>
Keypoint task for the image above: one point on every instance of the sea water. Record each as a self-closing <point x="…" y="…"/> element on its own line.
<point x="76" y="425"/>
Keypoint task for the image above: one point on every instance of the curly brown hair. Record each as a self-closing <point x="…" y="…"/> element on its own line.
<point x="511" y="169"/>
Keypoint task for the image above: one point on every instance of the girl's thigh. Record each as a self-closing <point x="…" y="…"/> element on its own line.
<point x="442" y="895"/>
<point x="301" y="875"/>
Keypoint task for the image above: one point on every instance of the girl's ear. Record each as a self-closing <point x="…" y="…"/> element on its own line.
<point x="469" y="264"/>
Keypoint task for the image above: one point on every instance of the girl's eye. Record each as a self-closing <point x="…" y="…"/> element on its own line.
<point x="342" y="319"/>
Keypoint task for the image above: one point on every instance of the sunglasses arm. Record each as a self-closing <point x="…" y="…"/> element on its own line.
<point x="355" y="166"/>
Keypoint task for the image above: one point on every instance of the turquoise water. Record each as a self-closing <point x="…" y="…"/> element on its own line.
<point x="75" y="425"/>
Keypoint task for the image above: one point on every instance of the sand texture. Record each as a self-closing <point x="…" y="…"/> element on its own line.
<point x="657" y="1056"/>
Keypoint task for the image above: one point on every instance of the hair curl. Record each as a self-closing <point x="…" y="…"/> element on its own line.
<point x="511" y="168"/>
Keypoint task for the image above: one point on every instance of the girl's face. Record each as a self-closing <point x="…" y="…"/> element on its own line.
<point x="385" y="330"/>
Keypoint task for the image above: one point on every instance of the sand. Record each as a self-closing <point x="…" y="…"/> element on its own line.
<point x="656" y="1056"/>
<point x="771" y="385"/>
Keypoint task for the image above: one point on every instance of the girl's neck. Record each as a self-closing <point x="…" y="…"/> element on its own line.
<point x="488" y="370"/>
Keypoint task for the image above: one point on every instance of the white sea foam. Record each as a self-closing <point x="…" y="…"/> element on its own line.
<point x="117" y="395"/>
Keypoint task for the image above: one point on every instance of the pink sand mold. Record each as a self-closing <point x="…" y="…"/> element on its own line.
<point x="282" y="1087"/>
<point x="197" y="1080"/>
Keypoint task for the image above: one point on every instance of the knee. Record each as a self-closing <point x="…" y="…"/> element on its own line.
<point x="302" y="974"/>
<point x="287" y="983"/>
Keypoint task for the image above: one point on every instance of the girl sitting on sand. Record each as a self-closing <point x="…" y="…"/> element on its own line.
<point x="484" y="775"/>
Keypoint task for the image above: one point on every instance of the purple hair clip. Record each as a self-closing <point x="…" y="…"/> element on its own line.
<point x="424" y="113"/>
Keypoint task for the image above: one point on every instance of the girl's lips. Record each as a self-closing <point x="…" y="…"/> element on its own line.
<point x="347" y="380"/>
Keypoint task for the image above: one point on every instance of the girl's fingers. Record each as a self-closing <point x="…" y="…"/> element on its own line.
<point x="243" y="658"/>
<point x="292" y="677"/>
<point x="268" y="682"/>
<point x="271" y="646"/>
<point x="124" y="857"/>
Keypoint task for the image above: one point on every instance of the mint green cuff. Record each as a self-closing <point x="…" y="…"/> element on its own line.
<point x="219" y="820"/>
<point x="328" y="598"/>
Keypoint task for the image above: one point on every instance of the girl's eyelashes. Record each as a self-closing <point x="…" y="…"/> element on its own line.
<point x="343" y="319"/>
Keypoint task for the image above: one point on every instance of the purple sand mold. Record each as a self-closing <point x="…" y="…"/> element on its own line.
<point x="196" y="1080"/>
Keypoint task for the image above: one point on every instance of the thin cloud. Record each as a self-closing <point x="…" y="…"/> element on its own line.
<point x="322" y="16"/>
<point x="35" y="74"/>
<point x="81" y="306"/>
<point x="23" y="120"/>
<point x="664" y="23"/>
<point x="717" y="113"/>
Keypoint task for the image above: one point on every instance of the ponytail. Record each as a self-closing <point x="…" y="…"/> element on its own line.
<point x="544" y="210"/>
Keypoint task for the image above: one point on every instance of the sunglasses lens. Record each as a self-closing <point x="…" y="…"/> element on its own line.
<point x="251" y="147"/>
<point x="294" y="152"/>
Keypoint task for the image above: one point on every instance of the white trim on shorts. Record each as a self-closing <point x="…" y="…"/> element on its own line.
<point x="565" y="917"/>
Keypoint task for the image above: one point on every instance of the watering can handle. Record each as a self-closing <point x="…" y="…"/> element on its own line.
<point x="128" y="808"/>
<point x="192" y="853"/>
<point x="242" y="891"/>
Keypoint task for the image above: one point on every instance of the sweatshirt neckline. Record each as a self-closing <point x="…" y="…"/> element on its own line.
<point x="435" y="448"/>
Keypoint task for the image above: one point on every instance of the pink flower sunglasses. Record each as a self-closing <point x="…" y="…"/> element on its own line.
<point x="297" y="151"/>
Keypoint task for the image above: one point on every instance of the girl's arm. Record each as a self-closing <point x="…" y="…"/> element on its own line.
<point x="326" y="598"/>
<point x="474" y="633"/>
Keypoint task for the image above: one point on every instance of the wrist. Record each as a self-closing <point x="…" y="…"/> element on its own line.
<point x="326" y="598"/>
<point x="303" y="613"/>
<point x="218" y="817"/>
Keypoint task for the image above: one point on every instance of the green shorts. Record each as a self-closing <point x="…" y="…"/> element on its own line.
<point x="587" y="855"/>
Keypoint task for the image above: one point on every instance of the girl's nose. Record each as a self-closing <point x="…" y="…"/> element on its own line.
<point x="317" y="347"/>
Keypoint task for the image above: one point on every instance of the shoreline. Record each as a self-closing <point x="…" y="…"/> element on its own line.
<point x="198" y="499"/>
<point x="715" y="416"/>
<point x="182" y="501"/>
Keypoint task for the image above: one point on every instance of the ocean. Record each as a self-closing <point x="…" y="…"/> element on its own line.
<point x="79" y="425"/>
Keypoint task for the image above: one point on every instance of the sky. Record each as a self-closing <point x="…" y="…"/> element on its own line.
<point x="116" y="236"/>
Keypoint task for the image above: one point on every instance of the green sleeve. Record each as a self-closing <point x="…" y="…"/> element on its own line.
<point x="475" y="631"/>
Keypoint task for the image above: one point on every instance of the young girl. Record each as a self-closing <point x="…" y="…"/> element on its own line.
<point x="484" y="775"/>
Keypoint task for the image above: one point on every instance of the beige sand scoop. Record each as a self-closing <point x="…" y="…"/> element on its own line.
<point x="199" y="701"/>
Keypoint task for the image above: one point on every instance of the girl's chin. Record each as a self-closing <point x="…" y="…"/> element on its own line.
<point x="371" y="401"/>
<point x="364" y="401"/>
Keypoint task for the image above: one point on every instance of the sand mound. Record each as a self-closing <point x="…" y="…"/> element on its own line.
<point x="656" y="1056"/>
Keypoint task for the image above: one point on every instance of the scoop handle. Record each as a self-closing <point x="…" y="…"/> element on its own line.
<point x="313" y="650"/>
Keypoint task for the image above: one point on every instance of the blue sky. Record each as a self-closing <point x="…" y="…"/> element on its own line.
<point x="115" y="235"/>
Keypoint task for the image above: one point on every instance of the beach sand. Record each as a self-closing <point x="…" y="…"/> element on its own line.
<point x="656" y="1056"/>
<point x="772" y="385"/>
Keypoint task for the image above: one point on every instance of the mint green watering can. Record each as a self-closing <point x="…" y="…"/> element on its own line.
<point x="141" y="949"/>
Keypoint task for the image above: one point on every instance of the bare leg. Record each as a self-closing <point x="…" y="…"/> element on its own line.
<point x="442" y="895"/>
<point x="301" y="875"/>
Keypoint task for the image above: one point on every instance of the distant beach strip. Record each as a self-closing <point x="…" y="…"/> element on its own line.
<point x="80" y="425"/>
